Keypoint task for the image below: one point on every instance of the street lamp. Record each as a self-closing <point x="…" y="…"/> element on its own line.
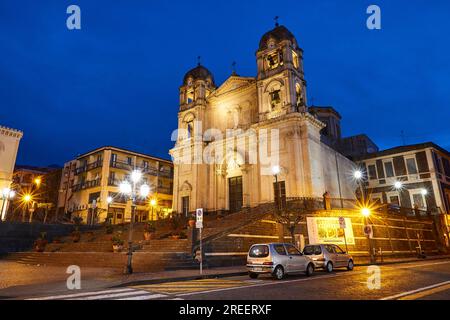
<point x="276" y="171"/>
<point x="358" y="175"/>
<point x="26" y="199"/>
<point x="109" y="200"/>
<point x="131" y="190"/>
<point x="7" y="194"/>
<point x="153" y="204"/>
<point x="424" y="192"/>
<point x="366" y="213"/>
<point x="398" y="185"/>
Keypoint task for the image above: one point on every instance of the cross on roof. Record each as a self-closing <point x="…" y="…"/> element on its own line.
<point x="276" y="21"/>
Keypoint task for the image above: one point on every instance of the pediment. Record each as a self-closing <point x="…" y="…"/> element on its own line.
<point x="234" y="83"/>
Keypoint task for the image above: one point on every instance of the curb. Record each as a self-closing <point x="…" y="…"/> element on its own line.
<point x="430" y="258"/>
<point x="243" y="273"/>
<point x="176" y="279"/>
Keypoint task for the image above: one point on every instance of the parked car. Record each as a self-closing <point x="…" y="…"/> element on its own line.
<point x="277" y="259"/>
<point x="328" y="256"/>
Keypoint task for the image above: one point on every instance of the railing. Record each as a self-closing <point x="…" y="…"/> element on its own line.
<point x="89" y="166"/>
<point x="164" y="190"/>
<point x="86" y="185"/>
<point x="144" y="169"/>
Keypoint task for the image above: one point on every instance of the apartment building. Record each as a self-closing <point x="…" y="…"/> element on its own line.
<point x="413" y="176"/>
<point x="93" y="178"/>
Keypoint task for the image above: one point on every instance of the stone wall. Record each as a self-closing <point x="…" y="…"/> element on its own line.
<point x="16" y="237"/>
<point x="394" y="235"/>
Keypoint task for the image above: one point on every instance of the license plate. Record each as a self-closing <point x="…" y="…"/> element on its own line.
<point x="257" y="269"/>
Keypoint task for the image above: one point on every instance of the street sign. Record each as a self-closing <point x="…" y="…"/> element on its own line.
<point x="199" y="218"/>
<point x="199" y="225"/>
<point x="342" y="222"/>
<point x="368" y="231"/>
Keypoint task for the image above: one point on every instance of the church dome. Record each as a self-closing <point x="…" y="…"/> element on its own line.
<point x="199" y="73"/>
<point x="279" y="33"/>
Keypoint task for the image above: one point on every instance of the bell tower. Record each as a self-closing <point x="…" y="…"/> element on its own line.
<point x="197" y="85"/>
<point x="281" y="83"/>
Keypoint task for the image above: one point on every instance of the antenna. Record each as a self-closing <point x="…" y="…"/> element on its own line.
<point x="233" y="68"/>
<point x="402" y="135"/>
<point x="199" y="58"/>
<point x="276" y="21"/>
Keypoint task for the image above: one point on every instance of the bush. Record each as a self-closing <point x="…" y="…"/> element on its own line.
<point x="117" y="239"/>
<point x="109" y="229"/>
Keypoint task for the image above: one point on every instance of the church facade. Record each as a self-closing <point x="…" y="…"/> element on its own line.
<point x="239" y="144"/>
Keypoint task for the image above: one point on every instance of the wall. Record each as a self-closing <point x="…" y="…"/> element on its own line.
<point x="15" y="237"/>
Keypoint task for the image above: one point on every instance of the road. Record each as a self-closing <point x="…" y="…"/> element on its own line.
<point x="407" y="281"/>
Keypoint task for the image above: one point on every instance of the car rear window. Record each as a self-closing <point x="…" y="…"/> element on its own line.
<point x="312" y="250"/>
<point x="259" y="251"/>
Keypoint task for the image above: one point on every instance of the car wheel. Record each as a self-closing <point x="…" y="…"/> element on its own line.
<point x="278" y="273"/>
<point x="350" y="265"/>
<point x="329" y="267"/>
<point x="253" y="275"/>
<point x="309" y="270"/>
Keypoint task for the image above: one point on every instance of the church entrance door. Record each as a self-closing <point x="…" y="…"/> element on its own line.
<point x="235" y="193"/>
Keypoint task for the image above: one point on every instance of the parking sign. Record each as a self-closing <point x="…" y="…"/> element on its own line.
<point x="199" y="218"/>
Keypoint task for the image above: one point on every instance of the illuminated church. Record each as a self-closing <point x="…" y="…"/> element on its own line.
<point x="238" y="124"/>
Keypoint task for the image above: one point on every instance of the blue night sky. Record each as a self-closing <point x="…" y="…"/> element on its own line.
<point x="115" y="81"/>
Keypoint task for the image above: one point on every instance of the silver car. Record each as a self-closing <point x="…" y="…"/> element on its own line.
<point x="328" y="256"/>
<point x="277" y="259"/>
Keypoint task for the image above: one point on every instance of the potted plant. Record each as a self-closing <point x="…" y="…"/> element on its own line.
<point x="149" y="230"/>
<point x="56" y="239"/>
<point x="41" y="242"/>
<point x="117" y="242"/>
<point x="76" y="235"/>
<point x="109" y="229"/>
<point x="175" y="236"/>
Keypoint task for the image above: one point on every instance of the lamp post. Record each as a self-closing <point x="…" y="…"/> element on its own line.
<point x="131" y="189"/>
<point x="7" y="194"/>
<point x="153" y="204"/>
<point x="109" y="200"/>
<point x="26" y="200"/>
<point x="276" y="171"/>
<point x="358" y="175"/>
<point x="366" y="213"/>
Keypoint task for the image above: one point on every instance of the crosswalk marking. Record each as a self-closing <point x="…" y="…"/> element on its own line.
<point x="145" y="297"/>
<point x="112" y="294"/>
<point x="81" y="294"/>
<point x="192" y="286"/>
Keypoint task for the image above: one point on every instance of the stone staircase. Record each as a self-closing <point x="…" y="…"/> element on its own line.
<point x="95" y="248"/>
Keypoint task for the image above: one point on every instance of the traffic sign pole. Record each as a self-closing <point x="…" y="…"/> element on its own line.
<point x="199" y="225"/>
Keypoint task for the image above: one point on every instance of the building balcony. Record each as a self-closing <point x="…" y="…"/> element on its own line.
<point x="88" y="167"/>
<point x="86" y="185"/>
<point x="164" y="190"/>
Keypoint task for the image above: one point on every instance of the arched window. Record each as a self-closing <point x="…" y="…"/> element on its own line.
<point x="298" y="95"/>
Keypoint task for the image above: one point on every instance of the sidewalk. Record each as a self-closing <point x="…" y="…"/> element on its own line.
<point x="179" y="275"/>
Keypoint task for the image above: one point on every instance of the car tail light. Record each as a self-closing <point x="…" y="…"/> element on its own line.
<point x="249" y="262"/>
<point x="268" y="263"/>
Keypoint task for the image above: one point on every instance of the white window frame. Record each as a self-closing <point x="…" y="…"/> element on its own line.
<point x="376" y="196"/>
<point x="415" y="162"/>
<point x="393" y="194"/>
<point x="368" y="171"/>
<point x="384" y="168"/>
<point x="412" y="192"/>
